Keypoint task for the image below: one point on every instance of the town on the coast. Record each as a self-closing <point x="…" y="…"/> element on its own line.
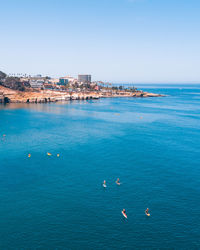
<point x="23" y="88"/>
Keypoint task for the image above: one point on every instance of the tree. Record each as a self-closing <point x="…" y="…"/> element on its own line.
<point x="75" y="85"/>
<point x="114" y="88"/>
<point x="13" y="83"/>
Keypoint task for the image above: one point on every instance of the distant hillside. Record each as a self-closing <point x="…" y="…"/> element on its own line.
<point x="12" y="82"/>
<point x="2" y="75"/>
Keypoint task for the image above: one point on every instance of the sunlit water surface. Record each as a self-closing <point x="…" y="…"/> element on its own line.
<point x="152" y="145"/>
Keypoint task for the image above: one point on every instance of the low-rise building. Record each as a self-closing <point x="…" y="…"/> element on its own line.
<point x="66" y="80"/>
<point x="36" y="83"/>
<point x="49" y="86"/>
<point x="63" y="81"/>
<point x="53" y="81"/>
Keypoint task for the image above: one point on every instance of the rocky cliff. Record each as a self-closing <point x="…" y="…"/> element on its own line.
<point x="44" y="96"/>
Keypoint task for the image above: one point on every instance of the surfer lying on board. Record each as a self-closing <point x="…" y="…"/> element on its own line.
<point x="104" y="183"/>
<point x="147" y="212"/>
<point x="117" y="181"/>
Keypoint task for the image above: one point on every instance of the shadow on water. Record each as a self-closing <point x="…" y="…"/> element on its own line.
<point x="56" y="108"/>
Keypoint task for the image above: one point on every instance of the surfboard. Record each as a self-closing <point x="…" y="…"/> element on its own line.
<point x="104" y="185"/>
<point x="147" y="214"/>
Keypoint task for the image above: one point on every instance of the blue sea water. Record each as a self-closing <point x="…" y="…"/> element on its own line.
<point x="151" y="144"/>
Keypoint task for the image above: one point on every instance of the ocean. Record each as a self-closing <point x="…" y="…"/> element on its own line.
<point x="151" y="144"/>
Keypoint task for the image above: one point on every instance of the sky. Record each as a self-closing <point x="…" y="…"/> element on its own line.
<point x="135" y="41"/>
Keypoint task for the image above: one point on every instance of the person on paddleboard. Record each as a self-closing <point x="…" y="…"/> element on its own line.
<point x="147" y="212"/>
<point x="117" y="181"/>
<point x="124" y="213"/>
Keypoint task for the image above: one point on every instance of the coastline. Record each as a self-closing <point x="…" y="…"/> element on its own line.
<point x="44" y="96"/>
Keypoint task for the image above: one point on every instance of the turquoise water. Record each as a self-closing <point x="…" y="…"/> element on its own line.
<point x="152" y="145"/>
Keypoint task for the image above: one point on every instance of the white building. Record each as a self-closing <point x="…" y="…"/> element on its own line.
<point x="53" y="80"/>
<point x="36" y="83"/>
<point x="69" y="78"/>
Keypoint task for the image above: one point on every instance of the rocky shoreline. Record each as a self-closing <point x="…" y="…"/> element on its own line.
<point x="44" y="96"/>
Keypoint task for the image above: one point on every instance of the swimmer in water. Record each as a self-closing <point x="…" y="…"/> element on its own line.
<point x="117" y="181"/>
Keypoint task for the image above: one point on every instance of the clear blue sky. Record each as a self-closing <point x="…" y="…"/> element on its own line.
<point x="114" y="40"/>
